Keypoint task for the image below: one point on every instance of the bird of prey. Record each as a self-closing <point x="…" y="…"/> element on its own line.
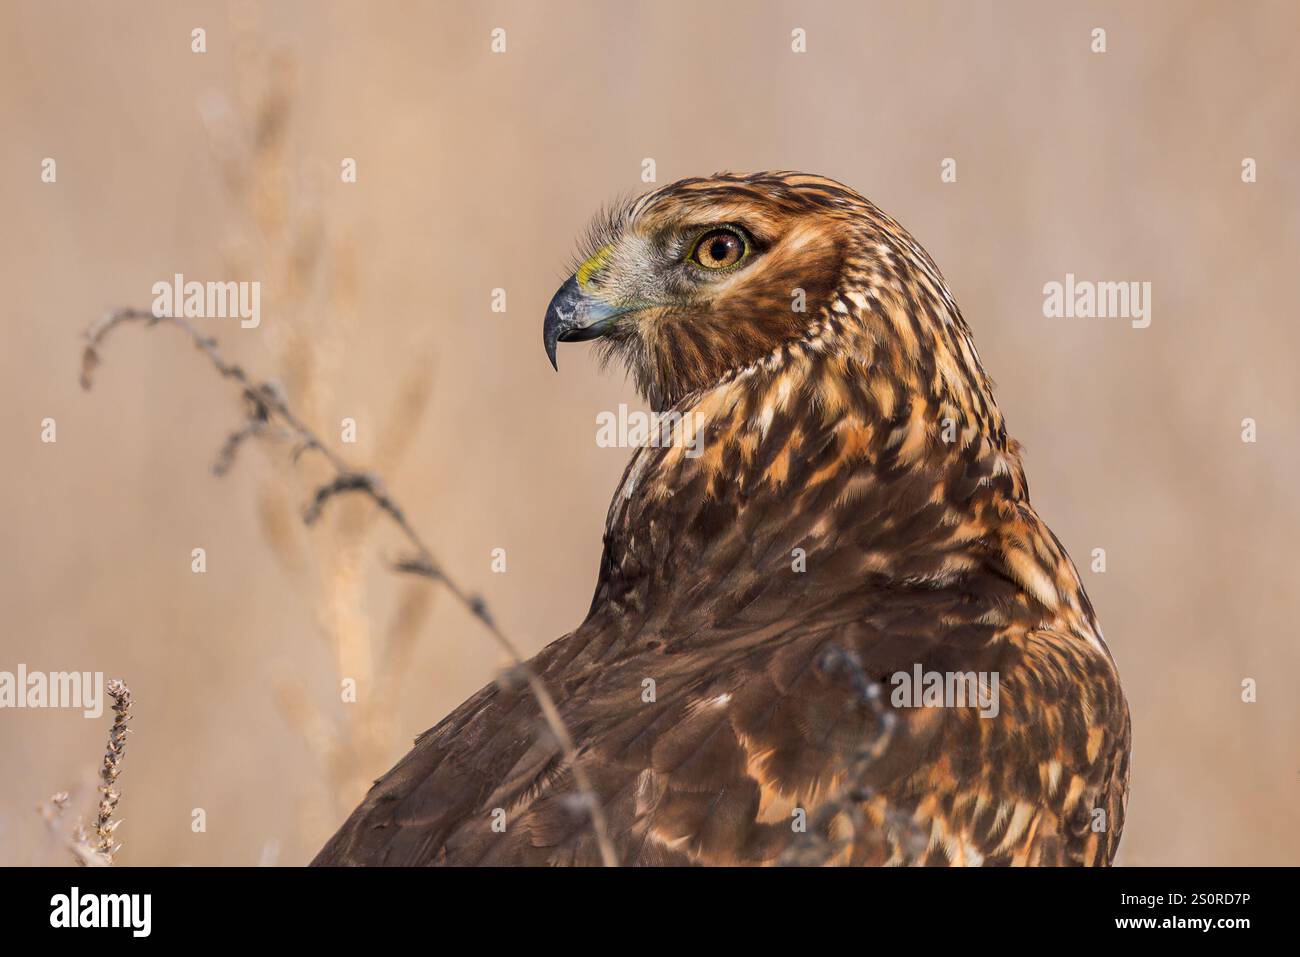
<point x="829" y="626"/>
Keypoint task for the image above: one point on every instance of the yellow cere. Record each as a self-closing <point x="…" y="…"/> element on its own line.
<point x="593" y="264"/>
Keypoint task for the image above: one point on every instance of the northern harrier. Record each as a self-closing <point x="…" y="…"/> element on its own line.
<point x="828" y="627"/>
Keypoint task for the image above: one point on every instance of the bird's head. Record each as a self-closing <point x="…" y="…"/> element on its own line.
<point x="695" y="281"/>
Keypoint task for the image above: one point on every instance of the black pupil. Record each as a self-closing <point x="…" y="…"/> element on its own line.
<point x="720" y="248"/>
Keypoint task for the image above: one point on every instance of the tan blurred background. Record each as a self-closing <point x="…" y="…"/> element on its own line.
<point x="476" y="171"/>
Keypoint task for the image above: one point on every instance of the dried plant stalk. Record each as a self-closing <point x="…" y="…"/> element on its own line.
<point x="281" y="232"/>
<point x="95" y="848"/>
<point x="52" y="810"/>
<point x="102" y="831"/>
<point x="268" y="412"/>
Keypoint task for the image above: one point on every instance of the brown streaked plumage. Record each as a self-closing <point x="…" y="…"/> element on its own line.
<point x="857" y="511"/>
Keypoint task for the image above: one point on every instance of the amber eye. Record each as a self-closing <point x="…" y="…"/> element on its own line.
<point x="718" y="249"/>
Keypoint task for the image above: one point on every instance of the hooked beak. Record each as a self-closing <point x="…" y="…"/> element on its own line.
<point x="574" y="316"/>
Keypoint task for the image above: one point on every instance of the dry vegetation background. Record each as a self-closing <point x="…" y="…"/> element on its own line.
<point x="476" y="171"/>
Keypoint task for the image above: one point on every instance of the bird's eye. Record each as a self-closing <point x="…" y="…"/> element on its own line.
<point x="718" y="249"/>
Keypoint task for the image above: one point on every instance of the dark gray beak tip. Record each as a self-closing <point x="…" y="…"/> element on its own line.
<point x="551" y="334"/>
<point x="574" y="316"/>
<point x="561" y="317"/>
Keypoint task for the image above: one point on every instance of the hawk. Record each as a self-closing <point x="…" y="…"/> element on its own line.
<point x="829" y="626"/>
